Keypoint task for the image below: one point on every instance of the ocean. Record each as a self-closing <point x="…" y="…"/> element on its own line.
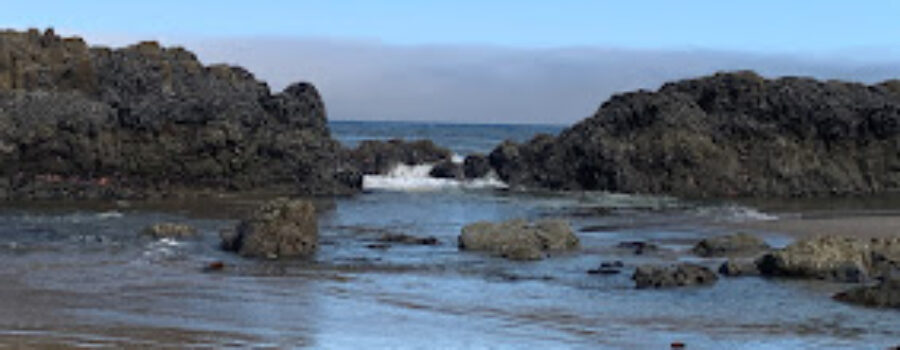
<point x="79" y="275"/>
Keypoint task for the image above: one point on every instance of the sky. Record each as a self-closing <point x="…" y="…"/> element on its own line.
<point x="493" y="61"/>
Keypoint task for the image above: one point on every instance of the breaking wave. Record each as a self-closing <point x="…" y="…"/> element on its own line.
<point x="415" y="178"/>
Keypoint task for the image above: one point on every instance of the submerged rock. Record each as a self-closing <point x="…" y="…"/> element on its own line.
<point x="884" y="294"/>
<point x="407" y="239"/>
<point x="607" y="268"/>
<point x="844" y="259"/>
<point x="680" y="275"/>
<point x="729" y="245"/>
<point x="730" y="134"/>
<point x="638" y="247"/>
<point x="281" y="228"/>
<point x="169" y="230"/>
<point x="517" y="239"/>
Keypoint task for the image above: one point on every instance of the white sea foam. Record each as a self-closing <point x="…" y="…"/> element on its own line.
<point x="458" y="159"/>
<point x="110" y="215"/>
<point x="415" y="178"/>
<point x="737" y="213"/>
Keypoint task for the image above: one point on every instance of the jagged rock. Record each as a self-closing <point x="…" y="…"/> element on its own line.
<point x="884" y="294"/>
<point x="379" y="157"/>
<point x="731" y="134"/>
<point x="146" y="118"/>
<point x="517" y="239"/>
<point x="845" y="259"/>
<point x="680" y="275"/>
<point x="281" y="228"/>
<point x="169" y="230"/>
<point x="476" y="166"/>
<point x="446" y="170"/>
<point x="729" y="245"/>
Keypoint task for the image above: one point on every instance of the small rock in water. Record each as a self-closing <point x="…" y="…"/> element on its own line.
<point x="378" y="246"/>
<point x="638" y="247"/>
<point x="736" y="244"/>
<point x="677" y="345"/>
<point x="407" y="239"/>
<point x="519" y="239"/>
<point x="607" y="268"/>
<point x="735" y="268"/>
<point x="681" y="275"/>
<point x="280" y="228"/>
<point x="214" y="266"/>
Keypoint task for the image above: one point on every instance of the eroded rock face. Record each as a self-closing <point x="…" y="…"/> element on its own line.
<point x="884" y="294"/>
<point x="843" y="259"/>
<point x="731" y="134"/>
<point x="281" y="228"/>
<point x="115" y="123"/>
<point x="517" y="239"/>
<point x="730" y="245"/>
<point x="680" y="275"/>
<point x="169" y="230"/>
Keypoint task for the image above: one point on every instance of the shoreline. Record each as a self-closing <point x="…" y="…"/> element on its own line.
<point x="866" y="224"/>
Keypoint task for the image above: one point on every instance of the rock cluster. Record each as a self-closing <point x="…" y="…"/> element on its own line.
<point x="680" y="275"/>
<point x="518" y="239"/>
<point x="731" y="134"/>
<point x="281" y="228"/>
<point x="79" y="121"/>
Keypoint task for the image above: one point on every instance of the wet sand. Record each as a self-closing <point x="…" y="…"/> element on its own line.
<point x="856" y="225"/>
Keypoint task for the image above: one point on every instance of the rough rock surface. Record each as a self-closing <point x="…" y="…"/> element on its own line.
<point x="517" y="239"/>
<point x="731" y="134"/>
<point x="281" y="228"/>
<point x="844" y="259"/>
<point x="169" y="230"/>
<point x="77" y="121"/>
<point x="380" y="157"/>
<point x="730" y="245"/>
<point x="884" y="294"/>
<point x="476" y="166"/>
<point x="739" y="267"/>
<point x="680" y="275"/>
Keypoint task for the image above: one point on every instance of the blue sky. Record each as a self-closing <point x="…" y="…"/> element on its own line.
<point x="760" y="26"/>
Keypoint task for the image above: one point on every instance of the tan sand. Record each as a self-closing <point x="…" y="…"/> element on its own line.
<point x="856" y="226"/>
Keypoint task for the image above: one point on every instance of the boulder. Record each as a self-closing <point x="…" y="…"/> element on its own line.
<point x="169" y="230"/>
<point x="844" y="259"/>
<point x="729" y="134"/>
<point x="730" y="245"/>
<point x="884" y="294"/>
<point x="446" y="170"/>
<point x="476" y="166"/>
<point x="518" y="239"/>
<point x="680" y="275"/>
<point x="281" y="228"/>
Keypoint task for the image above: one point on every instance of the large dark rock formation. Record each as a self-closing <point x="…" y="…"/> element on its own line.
<point x="731" y="134"/>
<point x="77" y="121"/>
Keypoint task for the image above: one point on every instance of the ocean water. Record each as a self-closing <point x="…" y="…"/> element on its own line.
<point x="78" y="274"/>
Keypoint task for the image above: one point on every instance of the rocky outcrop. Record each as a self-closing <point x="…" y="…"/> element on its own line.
<point x="844" y="259"/>
<point x="731" y="134"/>
<point x="739" y="268"/>
<point x="281" y="228"/>
<point x="77" y="121"/>
<point x="730" y="245"/>
<point x="884" y="294"/>
<point x="446" y="170"/>
<point x="518" y="239"/>
<point x="169" y="230"/>
<point x="681" y="275"/>
<point x="380" y="157"/>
